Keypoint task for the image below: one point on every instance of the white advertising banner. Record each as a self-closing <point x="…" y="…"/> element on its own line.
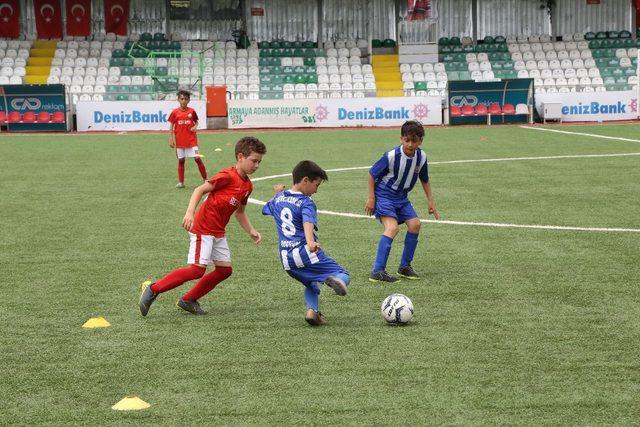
<point x="593" y="106"/>
<point x="292" y="113"/>
<point x="378" y="111"/>
<point x="272" y="113"/>
<point x="131" y="115"/>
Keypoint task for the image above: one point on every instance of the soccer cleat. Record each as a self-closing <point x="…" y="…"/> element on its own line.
<point x="337" y="285"/>
<point x="382" y="276"/>
<point x="147" y="297"/>
<point x="408" y="272"/>
<point x="180" y="185"/>
<point x="191" y="306"/>
<point x="314" y="318"/>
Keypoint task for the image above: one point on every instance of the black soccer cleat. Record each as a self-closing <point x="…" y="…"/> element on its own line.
<point x="191" y="306"/>
<point x="337" y="285"/>
<point x="147" y="297"/>
<point x="382" y="276"/>
<point x="408" y="272"/>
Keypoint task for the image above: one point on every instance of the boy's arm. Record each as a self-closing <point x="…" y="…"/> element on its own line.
<point x="195" y="126"/>
<point x="187" y="221"/>
<point x="426" y="186"/>
<point x="243" y="220"/>
<point x="309" y="227"/>
<point x="172" y="136"/>
<point x="370" y="204"/>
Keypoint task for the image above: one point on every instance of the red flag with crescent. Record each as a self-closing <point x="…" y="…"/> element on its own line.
<point x="78" y="17"/>
<point x="116" y="16"/>
<point x="10" y="18"/>
<point x="48" y="16"/>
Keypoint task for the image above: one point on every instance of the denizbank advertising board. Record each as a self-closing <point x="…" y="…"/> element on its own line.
<point x="131" y="116"/>
<point x="333" y="112"/>
<point x="593" y="106"/>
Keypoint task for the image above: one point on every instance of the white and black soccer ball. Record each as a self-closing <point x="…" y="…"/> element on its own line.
<point x="397" y="309"/>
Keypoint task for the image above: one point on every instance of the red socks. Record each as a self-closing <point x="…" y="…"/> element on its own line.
<point x="201" y="168"/>
<point x="207" y="283"/>
<point x="181" y="170"/>
<point x="177" y="278"/>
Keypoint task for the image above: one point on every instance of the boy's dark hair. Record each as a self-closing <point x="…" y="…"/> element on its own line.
<point x="310" y="170"/>
<point x="411" y="129"/>
<point x="248" y="145"/>
<point x="185" y="93"/>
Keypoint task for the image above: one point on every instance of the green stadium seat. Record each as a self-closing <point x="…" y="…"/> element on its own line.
<point x="455" y="41"/>
<point x="146" y="37"/>
<point x="590" y="35"/>
<point x="388" y="43"/>
<point x="445" y="49"/>
<point x="286" y="44"/>
<point x="612" y="34"/>
<point x="309" y="62"/>
<point x="624" y="34"/>
<point x="122" y="98"/>
<point x="464" y="75"/>
<point x="500" y="39"/>
<point x="309" y="44"/>
<point x="453" y="75"/>
<point x="275" y="45"/>
<point x="594" y="44"/>
<point x="158" y="36"/>
<point x="300" y="78"/>
<point x="489" y="40"/>
<point x="263" y="45"/>
<point x="296" y="45"/>
<point x="601" y="35"/>
<point x="420" y="85"/>
<point x="376" y="43"/>
<point x="443" y="41"/>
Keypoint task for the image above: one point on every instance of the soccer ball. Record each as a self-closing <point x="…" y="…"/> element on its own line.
<point x="397" y="309"/>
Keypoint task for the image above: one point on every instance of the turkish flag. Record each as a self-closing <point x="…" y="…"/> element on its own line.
<point x="48" y="16"/>
<point x="10" y="18"/>
<point x="116" y="15"/>
<point x="78" y="17"/>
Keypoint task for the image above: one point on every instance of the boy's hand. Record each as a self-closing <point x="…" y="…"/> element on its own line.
<point x="255" y="236"/>
<point x="194" y="128"/>
<point x="313" y="246"/>
<point x="187" y="221"/>
<point x="433" y="210"/>
<point x="278" y="188"/>
<point x="172" y="143"/>
<point x="370" y="205"/>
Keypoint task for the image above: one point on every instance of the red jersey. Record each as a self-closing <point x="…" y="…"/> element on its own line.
<point x="214" y="213"/>
<point x="183" y="121"/>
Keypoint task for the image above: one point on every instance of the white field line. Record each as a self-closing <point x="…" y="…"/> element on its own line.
<point x="477" y="224"/>
<point x="592" y="135"/>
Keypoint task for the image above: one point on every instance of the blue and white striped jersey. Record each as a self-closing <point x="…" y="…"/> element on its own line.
<point x="395" y="173"/>
<point x="290" y="210"/>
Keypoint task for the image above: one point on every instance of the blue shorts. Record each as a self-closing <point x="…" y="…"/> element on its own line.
<point x="401" y="210"/>
<point x="317" y="272"/>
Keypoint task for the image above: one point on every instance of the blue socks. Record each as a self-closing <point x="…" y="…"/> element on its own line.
<point x="384" y="247"/>
<point x="410" y="243"/>
<point x="311" y="295"/>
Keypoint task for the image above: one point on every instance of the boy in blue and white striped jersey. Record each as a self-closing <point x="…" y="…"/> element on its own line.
<point x="296" y="220"/>
<point x="390" y="180"/>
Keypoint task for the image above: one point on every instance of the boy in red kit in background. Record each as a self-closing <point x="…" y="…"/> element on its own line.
<point x="184" y="122"/>
<point x="228" y="192"/>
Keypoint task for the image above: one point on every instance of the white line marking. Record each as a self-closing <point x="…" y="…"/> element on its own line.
<point x="477" y="224"/>
<point x="449" y="162"/>
<point x="592" y="135"/>
<point x="481" y="224"/>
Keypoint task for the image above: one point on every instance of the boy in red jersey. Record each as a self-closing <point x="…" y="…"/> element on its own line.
<point x="228" y="192"/>
<point x="184" y="122"/>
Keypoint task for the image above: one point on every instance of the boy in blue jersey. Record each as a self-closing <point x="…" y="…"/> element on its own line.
<point x="296" y="223"/>
<point x="390" y="180"/>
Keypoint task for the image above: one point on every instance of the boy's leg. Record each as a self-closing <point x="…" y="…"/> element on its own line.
<point x="201" y="168"/>
<point x="175" y="278"/>
<point x="208" y="282"/>
<point x="221" y="255"/>
<point x="311" y="298"/>
<point x="410" y="243"/>
<point x="180" y="173"/>
<point x="378" y="272"/>
<point x="338" y="282"/>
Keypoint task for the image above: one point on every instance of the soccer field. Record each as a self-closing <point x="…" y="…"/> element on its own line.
<point x="533" y="323"/>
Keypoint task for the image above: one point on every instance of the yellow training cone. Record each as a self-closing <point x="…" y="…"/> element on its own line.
<point x="131" y="403"/>
<point x="218" y="149"/>
<point x="201" y="155"/>
<point x="96" y="322"/>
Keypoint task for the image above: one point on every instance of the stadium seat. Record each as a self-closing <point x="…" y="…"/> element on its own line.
<point x="467" y="110"/>
<point x="508" y="109"/>
<point x="14" y="117"/>
<point x="455" y="111"/>
<point x="3" y="117"/>
<point x="43" y="117"/>
<point x="58" y="117"/>
<point x="481" y="110"/>
<point x="494" y="109"/>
